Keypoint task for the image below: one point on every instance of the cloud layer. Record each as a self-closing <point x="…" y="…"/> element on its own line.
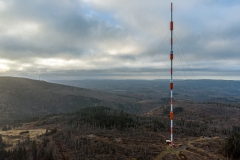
<point x="79" y="39"/>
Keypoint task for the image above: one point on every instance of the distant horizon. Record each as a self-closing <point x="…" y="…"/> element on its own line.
<point x="102" y="79"/>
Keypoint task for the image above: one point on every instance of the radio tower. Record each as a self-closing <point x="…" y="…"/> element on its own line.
<point x="171" y="82"/>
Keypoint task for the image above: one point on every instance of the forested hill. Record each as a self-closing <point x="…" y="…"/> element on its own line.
<point x="21" y="97"/>
<point x="194" y="90"/>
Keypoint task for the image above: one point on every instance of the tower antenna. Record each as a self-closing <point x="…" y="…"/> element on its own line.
<point x="171" y="81"/>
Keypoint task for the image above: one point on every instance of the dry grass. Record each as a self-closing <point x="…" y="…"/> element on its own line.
<point x="13" y="136"/>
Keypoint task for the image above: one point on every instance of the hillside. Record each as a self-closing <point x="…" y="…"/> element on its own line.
<point x="152" y="94"/>
<point x="91" y="124"/>
<point x="21" y="97"/>
<point x="103" y="133"/>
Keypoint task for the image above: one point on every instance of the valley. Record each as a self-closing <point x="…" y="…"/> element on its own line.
<point x="116" y="122"/>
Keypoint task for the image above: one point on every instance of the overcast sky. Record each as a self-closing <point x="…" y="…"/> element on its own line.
<point x="119" y="39"/>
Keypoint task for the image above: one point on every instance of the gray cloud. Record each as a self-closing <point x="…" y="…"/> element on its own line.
<point x="117" y="39"/>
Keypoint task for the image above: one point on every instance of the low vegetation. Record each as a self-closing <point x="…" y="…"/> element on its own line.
<point x="232" y="146"/>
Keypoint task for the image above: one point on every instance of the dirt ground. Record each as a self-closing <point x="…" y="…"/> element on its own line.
<point x="188" y="151"/>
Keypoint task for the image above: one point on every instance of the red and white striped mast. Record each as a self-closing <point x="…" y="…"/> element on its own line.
<point x="171" y="81"/>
